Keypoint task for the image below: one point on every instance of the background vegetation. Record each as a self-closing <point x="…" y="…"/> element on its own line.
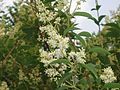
<point x="39" y="49"/>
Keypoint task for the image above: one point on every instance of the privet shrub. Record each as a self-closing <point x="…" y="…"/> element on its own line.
<point x="39" y="49"/>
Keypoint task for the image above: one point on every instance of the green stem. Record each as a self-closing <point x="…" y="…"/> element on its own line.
<point x="99" y="28"/>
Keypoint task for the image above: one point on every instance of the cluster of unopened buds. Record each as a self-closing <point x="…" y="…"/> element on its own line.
<point x="4" y="86"/>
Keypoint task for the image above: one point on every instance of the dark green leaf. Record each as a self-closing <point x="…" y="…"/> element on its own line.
<point x="104" y="59"/>
<point x="112" y="85"/>
<point x="70" y="29"/>
<point x="85" y="14"/>
<point x="65" y="61"/>
<point x="98" y="7"/>
<point x="91" y="68"/>
<point x="95" y="20"/>
<point x="65" y="77"/>
<point x="115" y="25"/>
<point x="48" y="1"/>
<point x="86" y="34"/>
<point x="99" y="50"/>
<point x="82" y="41"/>
<point x="62" y="88"/>
<point x="93" y="9"/>
<point x="101" y="17"/>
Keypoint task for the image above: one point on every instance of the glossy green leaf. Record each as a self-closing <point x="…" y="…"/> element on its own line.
<point x="90" y="67"/>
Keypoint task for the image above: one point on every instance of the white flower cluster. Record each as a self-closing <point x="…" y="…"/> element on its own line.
<point x="54" y="39"/>
<point x="57" y="44"/>
<point x="56" y="72"/>
<point x="62" y="4"/>
<point x="48" y="57"/>
<point x="4" y="86"/>
<point x="108" y="75"/>
<point x="57" y="20"/>
<point x="79" y="4"/>
<point x="78" y="56"/>
<point x="44" y="14"/>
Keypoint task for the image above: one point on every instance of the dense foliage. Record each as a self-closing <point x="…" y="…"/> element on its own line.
<point x="39" y="49"/>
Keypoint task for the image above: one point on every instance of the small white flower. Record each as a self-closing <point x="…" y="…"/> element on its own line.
<point x="61" y="4"/>
<point x="62" y="68"/>
<point x="78" y="56"/>
<point x="57" y="20"/>
<point x="80" y="59"/>
<point x="63" y="43"/>
<point x="72" y="56"/>
<point x="46" y="55"/>
<point x="51" y="72"/>
<point x="56" y="65"/>
<point x="59" y="53"/>
<point x="53" y="43"/>
<point x="4" y="86"/>
<point x="82" y="53"/>
<point x="108" y="75"/>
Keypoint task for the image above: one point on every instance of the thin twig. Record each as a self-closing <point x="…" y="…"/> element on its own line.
<point x="9" y="53"/>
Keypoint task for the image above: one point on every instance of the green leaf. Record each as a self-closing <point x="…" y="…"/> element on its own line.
<point x="65" y="61"/>
<point x="70" y="29"/>
<point x="91" y="68"/>
<point x="99" y="50"/>
<point x="113" y="32"/>
<point x="93" y="9"/>
<point x="112" y="85"/>
<point x="95" y="20"/>
<point x="62" y="88"/>
<point x="48" y="1"/>
<point x="85" y="14"/>
<point x="86" y="34"/>
<point x="98" y="7"/>
<point x="115" y="25"/>
<point x="114" y="29"/>
<point x="82" y="41"/>
<point x="65" y="77"/>
<point x="104" y="59"/>
<point x="101" y="17"/>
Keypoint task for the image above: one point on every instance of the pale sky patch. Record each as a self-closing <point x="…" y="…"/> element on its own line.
<point x="84" y="23"/>
<point x="106" y="7"/>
